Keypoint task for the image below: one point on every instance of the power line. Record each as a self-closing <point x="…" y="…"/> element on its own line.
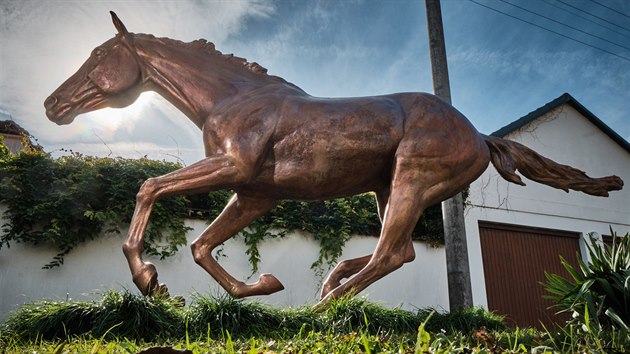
<point x="610" y="8"/>
<point x="564" y="24"/>
<point x="597" y="17"/>
<point x="585" y="18"/>
<point x="552" y="31"/>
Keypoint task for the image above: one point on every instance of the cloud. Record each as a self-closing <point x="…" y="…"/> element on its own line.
<point x="333" y="49"/>
<point x="536" y="64"/>
<point x="531" y="78"/>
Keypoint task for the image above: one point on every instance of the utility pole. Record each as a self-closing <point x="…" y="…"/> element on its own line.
<point x="458" y="270"/>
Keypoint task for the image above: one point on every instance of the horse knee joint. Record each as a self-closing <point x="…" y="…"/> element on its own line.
<point x="198" y="251"/>
<point x="129" y="249"/>
<point x="342" y="266"/>
<point x="391" y="262"/>
<point x="147" y="191"/>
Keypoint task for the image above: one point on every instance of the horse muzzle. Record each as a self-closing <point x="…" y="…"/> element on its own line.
<point x="58" y="113"/>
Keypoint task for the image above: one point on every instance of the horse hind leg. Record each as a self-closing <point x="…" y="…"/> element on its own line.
<point x="342" y="270"/>
<point x="394" y="247"/>
<point x="238" y="213"/>
<point x="349" y="267"/>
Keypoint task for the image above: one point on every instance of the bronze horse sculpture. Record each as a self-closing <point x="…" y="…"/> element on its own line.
<point x="267" y="140"/>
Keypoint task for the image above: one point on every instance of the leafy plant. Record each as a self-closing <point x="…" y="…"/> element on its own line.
<point x="117" y="314"/>
<point x="66" y="201"/>
<point x="4" y="150"/>
<point x="598" y="294"/>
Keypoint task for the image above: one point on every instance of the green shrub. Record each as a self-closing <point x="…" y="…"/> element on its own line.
<point x="123" y="323"/>
<point x="4" y="150"/>
<point x="216" y="315"/>
<point x="116" y="314"/>
<point x="598" y="294"/>
<point x="464" y="320"/>
<point x="63" y="202"/>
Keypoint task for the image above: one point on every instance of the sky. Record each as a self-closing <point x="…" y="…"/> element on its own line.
<point x="500" y="67"/>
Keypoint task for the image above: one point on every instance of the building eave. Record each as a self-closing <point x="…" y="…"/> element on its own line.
<point x="565" y="98"/>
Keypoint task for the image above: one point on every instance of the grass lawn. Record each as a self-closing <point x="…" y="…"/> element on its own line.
<point x="121" y="322"/>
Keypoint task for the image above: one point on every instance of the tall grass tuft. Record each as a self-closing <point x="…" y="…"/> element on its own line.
<point x="349" y="314"/>
<point x="463" y="320"/>
<point x="224" y="314"/>
<point x="51" y="320"/>
<point x="116" y="314"/>
<point x="139" y="317"/>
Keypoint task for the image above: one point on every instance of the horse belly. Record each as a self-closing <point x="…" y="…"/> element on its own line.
<point x="321" y="178"/>
<point x="324" y="178"/>
<point x="345" y="148"/>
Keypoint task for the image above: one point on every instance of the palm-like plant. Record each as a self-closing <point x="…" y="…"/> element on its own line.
<point x="599" y="292"/>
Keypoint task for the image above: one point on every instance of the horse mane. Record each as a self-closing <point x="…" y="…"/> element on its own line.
<point x="208" y="47"/>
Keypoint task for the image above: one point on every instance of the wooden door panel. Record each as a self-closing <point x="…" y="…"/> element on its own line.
<point x="515" y="259"/>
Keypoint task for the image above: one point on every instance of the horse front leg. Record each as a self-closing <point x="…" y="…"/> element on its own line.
<point x="237" y="214"/>
<point x="203" y="176"/>
<point x="143" y="274"/>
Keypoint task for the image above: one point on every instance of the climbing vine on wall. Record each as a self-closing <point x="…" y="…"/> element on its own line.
<point x="65" y="201"/>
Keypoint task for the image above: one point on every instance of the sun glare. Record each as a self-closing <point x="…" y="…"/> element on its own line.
<point x="109" y="119"/>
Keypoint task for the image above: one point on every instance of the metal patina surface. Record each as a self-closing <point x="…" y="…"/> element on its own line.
<point x="268" y="140"/>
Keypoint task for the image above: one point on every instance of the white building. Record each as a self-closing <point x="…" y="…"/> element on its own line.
<point x="516" y="233"/>
<point x="13" y="135"/>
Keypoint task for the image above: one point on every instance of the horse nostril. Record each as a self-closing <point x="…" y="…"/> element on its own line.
<point x="50" y="102"/>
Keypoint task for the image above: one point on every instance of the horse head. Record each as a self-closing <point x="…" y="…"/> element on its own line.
<point x="111" y="77"/>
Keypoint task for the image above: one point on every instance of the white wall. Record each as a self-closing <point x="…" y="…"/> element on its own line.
<point x="99" y="265"/>
<point x="566" y="137"/>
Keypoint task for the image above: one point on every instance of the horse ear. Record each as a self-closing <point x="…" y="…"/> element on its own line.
<point x="118" y="24"/>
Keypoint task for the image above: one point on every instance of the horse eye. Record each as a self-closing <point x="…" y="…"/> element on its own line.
<point x="99" y="52"/>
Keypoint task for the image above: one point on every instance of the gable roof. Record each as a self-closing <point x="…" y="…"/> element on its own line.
<point x="11" y="127"/>
<point x="565" y="98"/>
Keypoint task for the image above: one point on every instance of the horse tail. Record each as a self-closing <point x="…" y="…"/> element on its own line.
<point x="508" y="156"/>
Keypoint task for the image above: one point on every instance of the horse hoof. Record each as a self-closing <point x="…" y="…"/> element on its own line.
<point x="160" y="291"/>
<point x="321" y="306"/>
<point x="179" y="301"/>
<point x="327" y="288"/>
<point x="268" y="284"/>
<point x="145" y="278"/>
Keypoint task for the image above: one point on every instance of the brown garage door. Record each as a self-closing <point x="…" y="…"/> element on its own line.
<point x="515" y="259"/>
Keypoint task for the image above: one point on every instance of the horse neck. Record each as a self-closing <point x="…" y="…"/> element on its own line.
<point x="191" y="80"/>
